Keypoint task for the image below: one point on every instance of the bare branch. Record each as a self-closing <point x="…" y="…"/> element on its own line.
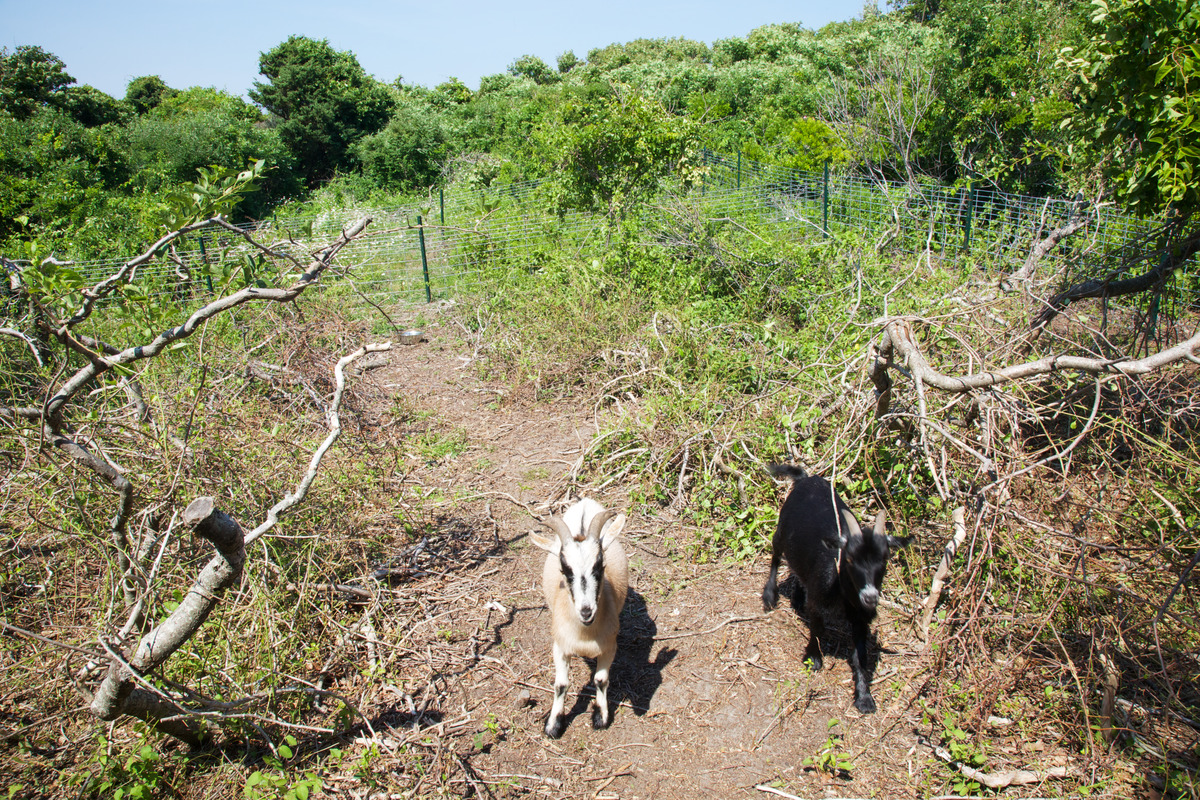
<point x="943" y="570"/>
<point x="1016" y="777"/>
<point x="335" y="430"/>
<point x="119" y="693"/>
<point x="32" y="345"/>
<point x="131" y="354"/>
<point x="109" y="284"/>
<point x="1077" y="221"/>
<point x="1113" y="285"/>
<point x="899" y="344"/>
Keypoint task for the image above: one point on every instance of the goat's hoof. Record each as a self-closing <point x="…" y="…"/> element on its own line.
<point x="598" y="720"/>
<point x="865" y="704"/>
<point x="555" y="728"/>
<point x="770" y="600"/>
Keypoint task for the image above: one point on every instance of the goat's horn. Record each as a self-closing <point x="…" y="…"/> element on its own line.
<point x="880" y="523"/>
<point x="559" y="527"/>
<point x="598" y="523"/>
<point x="852" y="529"/>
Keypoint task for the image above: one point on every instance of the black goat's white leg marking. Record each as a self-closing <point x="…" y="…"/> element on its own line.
<point x="863" y="700"/>
<point x="555" y="722"/>
<point x="600" y="715"/>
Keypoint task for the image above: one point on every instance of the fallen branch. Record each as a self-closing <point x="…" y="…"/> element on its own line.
<point x="32" y="345"/>
<point x="1113" y="285"/>
<point x="335" y="430"/>
<point x="1016" y="777"/>
<point x="713" y="629"/>
<point x="159" y="343"/>
<point x="943" y="571"/>
<point x="898" y="345"/>
<point x="123" y="691"/>
<point x="119" y="692"/>
<point x="1039" y="251"/>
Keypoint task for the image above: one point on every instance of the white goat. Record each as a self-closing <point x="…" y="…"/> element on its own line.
<point x="585" y="580"/>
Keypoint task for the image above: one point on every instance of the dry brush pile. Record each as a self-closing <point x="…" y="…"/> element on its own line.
<point x="139" y="425"/>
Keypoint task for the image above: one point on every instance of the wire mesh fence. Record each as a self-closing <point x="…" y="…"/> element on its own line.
<point x="973" y="220"/>
<point x="447" y="243"/>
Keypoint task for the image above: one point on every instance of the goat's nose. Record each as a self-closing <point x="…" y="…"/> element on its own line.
<point x="587" y="614"/>
<point x="869" y="596"/>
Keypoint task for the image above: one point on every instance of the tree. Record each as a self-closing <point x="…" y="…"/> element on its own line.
<point x="1137" y="91"/>
<point x="57" y="178"/>
<point x="533" y="68"/>
<point x="567" y="62"/>
<point x="454" y="90"/>
<point x="878" y="113"/>
<point x="730" y="51"/>
<point x="145" y="93"/>
<point x="199" y="128"/>
<point x="811" y="143"/>
<point x="1138" y="120"/>
<point x="91" y="107"/>
<point x="30" y="78"/>
<point x="1002" y="95"/>
<point x="408" y="153"/>
<point x="611" y="152"/>
<point x="324" y="100"/>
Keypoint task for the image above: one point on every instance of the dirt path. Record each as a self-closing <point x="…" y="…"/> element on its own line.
<point x="712" y="697"/>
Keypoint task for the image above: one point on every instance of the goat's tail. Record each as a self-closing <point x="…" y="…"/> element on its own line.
<point x="789" y="471"/>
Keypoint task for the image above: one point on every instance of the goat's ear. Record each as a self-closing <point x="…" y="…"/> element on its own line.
<point x="551" y="544"/>
<point x="896" y="542"/>
<point x="611" y="531"/>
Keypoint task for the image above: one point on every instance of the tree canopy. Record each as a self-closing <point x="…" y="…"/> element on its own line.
<point x="31" y="78"/>
<point x="324" y="102"/>
<point x="1030" y="96"/>
<point x="1137" y="91"/>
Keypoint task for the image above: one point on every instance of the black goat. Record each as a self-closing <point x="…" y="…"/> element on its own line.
<point x="839" y="566"/>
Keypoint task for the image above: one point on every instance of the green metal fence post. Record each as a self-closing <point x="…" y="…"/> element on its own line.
<point x="739" y="178"/>
<point x="204" y="258"/>
<point x="424" y="260"/>
<point x="967" y="223"/>
<point x="825" y="210"/>
<point x="442" y="205"/>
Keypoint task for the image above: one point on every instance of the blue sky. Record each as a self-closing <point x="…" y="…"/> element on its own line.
<point x="106" y="43"/>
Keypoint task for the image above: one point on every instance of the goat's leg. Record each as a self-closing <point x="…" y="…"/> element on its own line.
<point x="770" y="592"/>
<point x="600" y="714"/>
<point x="858" y="664"/>
<point x="816" y="632"/>
<point x="555" y="722"/>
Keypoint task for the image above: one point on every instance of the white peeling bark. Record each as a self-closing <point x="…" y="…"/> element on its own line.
<point x="121" y="692"/>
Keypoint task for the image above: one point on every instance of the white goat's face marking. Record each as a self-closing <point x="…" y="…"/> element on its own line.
<point x="582" y="565"/>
